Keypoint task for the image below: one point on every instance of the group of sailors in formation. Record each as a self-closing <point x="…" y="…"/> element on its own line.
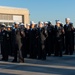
<point x="36" y="41"/>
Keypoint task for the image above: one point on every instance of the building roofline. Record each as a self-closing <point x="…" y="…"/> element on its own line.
<point x="14" y="8"/>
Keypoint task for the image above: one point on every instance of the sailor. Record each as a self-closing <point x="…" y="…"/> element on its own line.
<point x="32" y="40"/>
<point x="42" y="35"/>
<point x="50" y="39"/>
<point x="17" y="44"/>
<point x="58" y="39"/>
<point x="69" y="36"/>
<point x="4" y="47"/>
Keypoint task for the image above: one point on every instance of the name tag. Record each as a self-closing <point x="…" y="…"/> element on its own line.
<point x="7" y="35"/>
<point x="3" y="33"/>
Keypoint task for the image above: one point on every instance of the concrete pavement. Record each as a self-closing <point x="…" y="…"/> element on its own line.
<point x="52" y="66"/>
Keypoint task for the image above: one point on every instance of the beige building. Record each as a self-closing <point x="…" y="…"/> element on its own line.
<point x="9" y="15"/>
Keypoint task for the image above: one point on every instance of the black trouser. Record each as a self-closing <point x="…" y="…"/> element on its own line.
<point x="5" y="56"/>
<point x="50" y="48"/>
<point x="33" y="51"/>
<point x="58" y="48"/>
<point x="4" y="52"/>
<point x="18" y="53"/>
<point x="42" y="52"/>
<point x="69" y="48"/>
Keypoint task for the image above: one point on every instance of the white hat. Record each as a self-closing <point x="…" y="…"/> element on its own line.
<point x="3" y="25"/>
<point x="58" y="21"/>
<point x="35" y="23"/>
<point x="49" y="22"/>
<point x="8" y="26"/>
<point x="46" y="22"/>
<point x="67" y="18"/>
<point x="16" y="22"/>
<point x="22" y="24"/>
<point x="40" y="22"/>
<point x="32" y="22"/>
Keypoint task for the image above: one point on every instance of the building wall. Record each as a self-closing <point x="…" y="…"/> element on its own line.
<point x="16" y="11"/>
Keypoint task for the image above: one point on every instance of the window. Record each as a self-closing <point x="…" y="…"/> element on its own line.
<point x="6" y="17"/>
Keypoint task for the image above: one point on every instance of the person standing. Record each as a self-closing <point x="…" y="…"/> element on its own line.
<point x="9" y="39"/>
<point x="59" y="31"/>
<point x="41" y="37"/>
<point x="32" y="41"/>
<point x="17" y="43"/>
<point x="50" y="41"/>
<point x="26" y="31"/>
<point x="69" y="36"/>
<point x="4" y="45"/>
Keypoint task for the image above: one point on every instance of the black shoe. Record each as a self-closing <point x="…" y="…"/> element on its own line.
<point x="66" y="54"/>
<point x="21" y="61"/>
<point x="71" y="53"/>
<point x="43" y="58"/>
<point x="2" y="59"/>
<point x="6" y="60"/>
<point x="56" y="55"/>
<point x="39" y="58"/>
<point x="49" y="54"/>
<point x="14" y="61"/>
<point x="60" y="55"/>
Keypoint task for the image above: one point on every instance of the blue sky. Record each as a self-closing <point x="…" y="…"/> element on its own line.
<point x="45" y="10"/>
